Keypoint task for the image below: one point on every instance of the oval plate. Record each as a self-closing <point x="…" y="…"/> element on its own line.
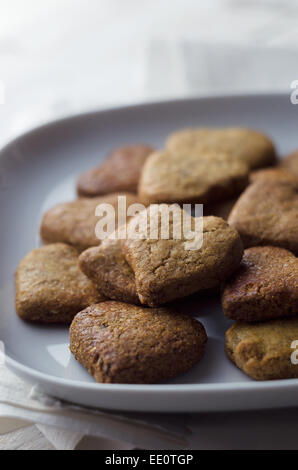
<point x="39" y="170"/>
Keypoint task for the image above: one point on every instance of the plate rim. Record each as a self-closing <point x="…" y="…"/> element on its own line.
<point x="152" y="388"/>
<point x="138" y="105"/>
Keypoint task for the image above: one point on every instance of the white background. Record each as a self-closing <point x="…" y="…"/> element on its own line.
<point x="63" y="56"/>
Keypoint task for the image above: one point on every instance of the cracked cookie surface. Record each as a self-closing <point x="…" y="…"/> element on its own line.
<point x="263" y="350"/>
<point x="122" y="343"/>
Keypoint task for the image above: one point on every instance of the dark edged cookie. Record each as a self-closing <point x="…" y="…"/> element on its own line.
<point x="122" y="343"/>
<point x="50" y="287"/>
<point x="264" y="287"/>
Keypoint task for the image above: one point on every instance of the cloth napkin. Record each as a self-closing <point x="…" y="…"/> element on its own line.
<point x="65" y="424"/>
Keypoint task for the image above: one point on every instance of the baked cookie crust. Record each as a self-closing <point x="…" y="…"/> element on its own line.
<point x="267" y="214"/>
<point x="264" y="287"/>
<point x="74" y="222"/>
<point x="164" y="270"/>
<point x="197" y="177"/>
<point x="251" y="147"/>
<point x="122" y="343"/>
<point x="263" y="350"/>
<point x="107" y="267"/>
<point x="120" y="172"/>
<point x="273" y="174"/>
<point x="50" y="287"/>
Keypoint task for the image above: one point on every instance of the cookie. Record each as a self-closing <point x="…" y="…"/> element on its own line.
<point x="273" y="174"/>
<point x="290" y="163"/>
<point x="107" y="267"/>
<point x="267" y="214"/>
<point x="120" y="172"/>
<point x="263" y="350"/>
<point x="199" y="177"/>
<point x="122" y="343"/>
<point x="264" y="287"/>
<point x="50" y="287"/>
<point x="165" y="269"/>
<point x="220" y="209"/>
<point x="251" y="147"/>
<point x="75" y="222"/>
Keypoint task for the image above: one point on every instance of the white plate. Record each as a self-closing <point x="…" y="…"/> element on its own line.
<point x="39" y="169"/>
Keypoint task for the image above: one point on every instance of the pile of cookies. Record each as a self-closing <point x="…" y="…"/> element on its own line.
<point x="119" y="293"/>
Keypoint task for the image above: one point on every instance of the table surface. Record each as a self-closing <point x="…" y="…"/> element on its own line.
<point x="60" y="57"/>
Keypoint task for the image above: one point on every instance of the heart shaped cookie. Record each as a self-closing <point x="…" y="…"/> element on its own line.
<point x="122" y="343"/>
<point x="166" y="269"/>
<point x="267" y="214"/>
<point x="264" y="287"/>
<point x="120" y="172"/>
<point x="200" y="177"/>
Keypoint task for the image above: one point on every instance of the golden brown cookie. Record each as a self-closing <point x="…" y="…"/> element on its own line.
<point x="50" y="287"/>
<point x="273" y="174"/>
<point x="120" y="172"/>
<point x="122" y="343"/>
<point x="267" y="214"/>
<point x="290" y="163"/>
<point x="106" y="266"/>
<point x="264" y="287"/>
<point x="75" y="222"/>
<point x="263" y="350"/>
<point x="251" y="147"/>
<point x="166" y="269"/>
<point x="199" y="177"/>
